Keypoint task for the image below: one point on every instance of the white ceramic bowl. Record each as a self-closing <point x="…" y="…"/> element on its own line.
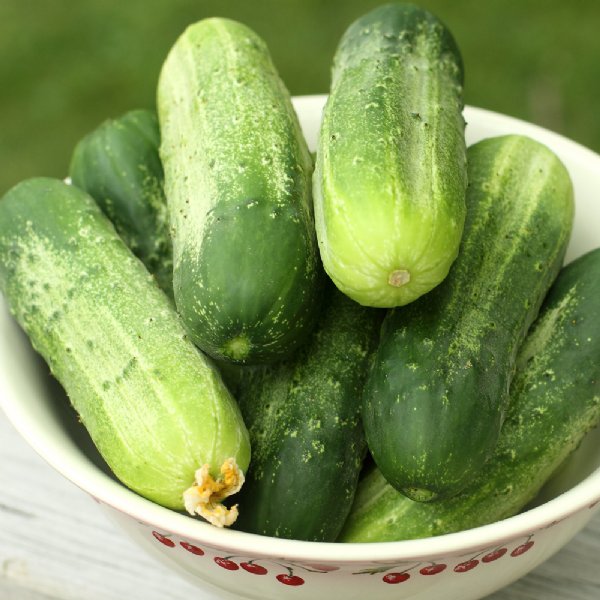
<point x="465" y="565"/>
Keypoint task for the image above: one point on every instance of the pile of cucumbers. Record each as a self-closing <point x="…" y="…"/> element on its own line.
<point x="379" y="345"/>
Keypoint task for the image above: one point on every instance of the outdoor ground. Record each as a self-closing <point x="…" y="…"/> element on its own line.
<point x="65" y="65"/>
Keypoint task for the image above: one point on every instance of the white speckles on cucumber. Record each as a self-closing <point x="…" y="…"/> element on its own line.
<point x="318" y="394"/>
<point x="306" y="456"/>
<point x="318" y="446"/>
<point x="94" y="304"/>
<point x="546" y="328"/>
<point x="250" y="168"/>
<point x="358" y="261"/>
<point x="314" y="424"/>
<point x="515" y="236"/>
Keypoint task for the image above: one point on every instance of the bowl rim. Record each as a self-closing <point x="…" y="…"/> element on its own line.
<point x="79" y="469"/>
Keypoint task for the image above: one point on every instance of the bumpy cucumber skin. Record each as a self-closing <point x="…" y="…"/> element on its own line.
<point x="304" y="422"/>
<point x="119" y="166"/>
<point x="435" y="398"/>
<point x="238" y="184"/>
<point x="555" y="400"/>
<point x="390" y="177"/>
<point x="154" y="406"/>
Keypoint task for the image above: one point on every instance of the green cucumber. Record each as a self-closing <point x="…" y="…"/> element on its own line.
<point x="119" y="166"/>
<point x="156" y="409"/>
<point x="555" y="400"/>
<point x="237" y="179"/>
<point x="437" y="393"/>
<point x="390" y="178"/>
<point x="307" y="441"/>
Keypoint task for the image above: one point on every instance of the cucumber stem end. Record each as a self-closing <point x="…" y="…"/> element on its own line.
<point x="237" y="348"/>
<point x="399" y="277"/>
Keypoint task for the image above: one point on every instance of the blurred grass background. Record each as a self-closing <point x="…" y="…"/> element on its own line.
<point x="65" y="66"/>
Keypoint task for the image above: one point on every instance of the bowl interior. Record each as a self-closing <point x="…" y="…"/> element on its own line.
<point x="40" y="411"/>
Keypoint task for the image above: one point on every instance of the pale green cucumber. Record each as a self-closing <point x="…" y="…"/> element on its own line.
<point x="390" y="177"/>
<point x="154" y="406"/>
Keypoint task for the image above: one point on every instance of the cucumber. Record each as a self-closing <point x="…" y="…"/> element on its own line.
<point x="156" y="409"/>
<point x="555" y="400"/>
<point x="436" y="396"/>
<point x="238" y="184"/>
<point x="307" y="441"/>
<point x="119" y="166"/>
<point x="390" y="178"/>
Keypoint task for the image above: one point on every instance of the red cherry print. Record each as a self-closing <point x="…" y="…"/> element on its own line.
<point x="226" y="563"/>
<point x="396" y="577"/>
<point x="290" y="579"/>
<point x="463" y="567"/>
<point x="163" y="540"/>
<point x="193" y="549"/>
<point x="494" y="555"/>
<point x="521" y="549"/>
<point x="433" y="569"/>
<point x="253" y="568"/>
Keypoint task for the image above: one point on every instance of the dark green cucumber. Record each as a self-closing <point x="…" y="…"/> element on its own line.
<point x="555" y="400"/>
<point x="237" y="180"/>
<point x="390" y="177"/>
<point x="119" y="166"/>
<point x="436" y="396"/>
<point x="154" y="406"/>
<point x="305" y="431"/>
